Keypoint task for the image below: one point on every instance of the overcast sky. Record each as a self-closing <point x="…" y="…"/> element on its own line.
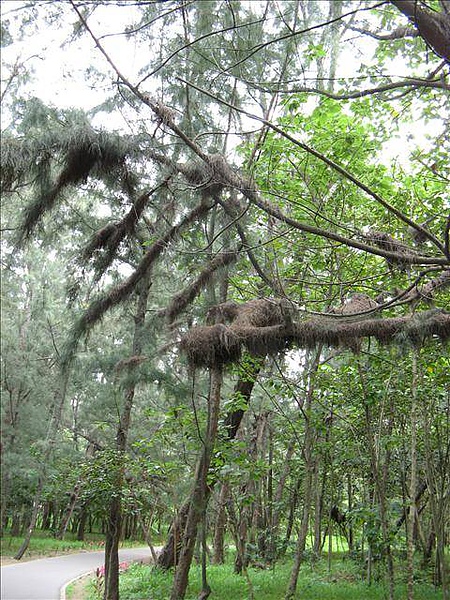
<point x="60" y="72"/>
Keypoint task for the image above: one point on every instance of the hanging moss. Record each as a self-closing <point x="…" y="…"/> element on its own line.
<point x="185" y="297"/>
<point x="121" y="292"/>
<point x="266" y="327"/>
<point x="75" y="153"/>
<point x="211" y="345"/>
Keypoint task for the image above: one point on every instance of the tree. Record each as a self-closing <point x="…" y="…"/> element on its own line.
<point x="295" y="237"/>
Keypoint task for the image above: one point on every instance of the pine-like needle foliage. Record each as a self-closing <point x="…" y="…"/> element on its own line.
<point x="60" y="158"/>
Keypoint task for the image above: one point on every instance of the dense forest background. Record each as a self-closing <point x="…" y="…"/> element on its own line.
<point x="225" y="288"/>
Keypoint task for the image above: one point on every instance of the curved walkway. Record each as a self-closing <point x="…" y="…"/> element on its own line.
<point x="44" y="579"/>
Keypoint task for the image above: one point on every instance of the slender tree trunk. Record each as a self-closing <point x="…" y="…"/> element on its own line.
<point x="307" y="480"/>
<point x="318" y="505"/>
<point x="380" y="476"/>
<point x="413" y="479"/>
<point x="250" y="512"/>
<point x="206" y="590"/>
<point x="240" y="548"/>
<point x="292" y="508"/>
<point x="438" y="477"/>
<point x="168" y="556"/>
<point x="301" y="540"/>
<point x="350" y="509"/>
<point x="53" y="428"/>
<point x="82" y="523"/>
<point x="219" y="528"/>
<point x="147" y="536"/>
<point x="199" y="497"/>
<point x="114" y="521"/>
<point x="32" y="523"/>
<point x="68" y="512"/>
<point x="275" y="514"/>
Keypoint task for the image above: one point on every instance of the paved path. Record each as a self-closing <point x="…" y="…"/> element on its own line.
<point x="43" y="579"/>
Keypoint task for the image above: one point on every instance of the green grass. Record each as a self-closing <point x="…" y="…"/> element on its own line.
<point x="43" y="545"/>
<point x="315" y="583"/>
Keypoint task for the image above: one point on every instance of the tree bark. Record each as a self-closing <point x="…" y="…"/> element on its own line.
<point x="199" y="496"/>
<point x="114" y="521"/>
<point x="433" y="26"/>
<point x="168" y="556"/>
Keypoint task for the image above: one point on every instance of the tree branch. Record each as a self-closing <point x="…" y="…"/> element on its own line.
<point x="410" y="83"/>
<point x="397" y="34"/>
<point x="336" y="168"/>
<point x="433" y="27"/>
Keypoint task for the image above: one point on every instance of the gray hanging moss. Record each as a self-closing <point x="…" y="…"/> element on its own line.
<point x="61" y="158"/>
<point x="266" y="326"/>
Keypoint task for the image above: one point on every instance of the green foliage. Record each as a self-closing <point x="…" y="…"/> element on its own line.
<point x="315" y="583"/>
<point x="84" y="175"/>
<point x="41" y="545"/>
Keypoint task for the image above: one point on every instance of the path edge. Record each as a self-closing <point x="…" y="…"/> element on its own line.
<point x="62" y="592"/>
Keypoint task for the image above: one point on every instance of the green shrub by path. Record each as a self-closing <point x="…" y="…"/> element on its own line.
<point x="344" y="583"/>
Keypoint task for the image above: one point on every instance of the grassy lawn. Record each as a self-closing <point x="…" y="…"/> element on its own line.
<point x="315" y="583"/>
<point x="344" y="582"/>
<point x="42" y="545"/>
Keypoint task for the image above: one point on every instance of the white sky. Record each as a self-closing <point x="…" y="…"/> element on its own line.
<point x="60" y="77"/>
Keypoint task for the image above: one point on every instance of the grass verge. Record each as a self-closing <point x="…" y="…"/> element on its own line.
<point x="42" y="545"/>
<point x="315" y="583"/>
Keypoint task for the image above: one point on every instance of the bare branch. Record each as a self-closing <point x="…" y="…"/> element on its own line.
<point x="397" y="34"/>
<point x="409" y="83"/>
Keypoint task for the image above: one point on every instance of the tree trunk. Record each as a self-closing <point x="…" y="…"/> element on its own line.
<point x="350" y="509"/>
<point x="250" y="513"/>
<point x="301" y="540"/>
<point x="168" y="556"/>
<point x="219" y="528"/>
<point x="437" y="476"/>
<point x="82" y="523"/>
<point x="46" y="516"/>
<point x="413" y="480"/>
<point x="68" y="512"/>
<point x="379" y="473"/>
<point x="53" y="428"/>
<point x="148" y="540"/>
<point x="292" y="507"/>
<point x="114" y="521"/>
<point x="318" y="506"/>
<point x="32" y="523"/>
<point x="276" y="511"/>
<point x="307" y="479"/>
<point x="199" y="496"/>
<point x="111" y="590"/>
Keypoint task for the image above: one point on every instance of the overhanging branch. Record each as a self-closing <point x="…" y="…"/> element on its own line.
<point x="266" y="326"/>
